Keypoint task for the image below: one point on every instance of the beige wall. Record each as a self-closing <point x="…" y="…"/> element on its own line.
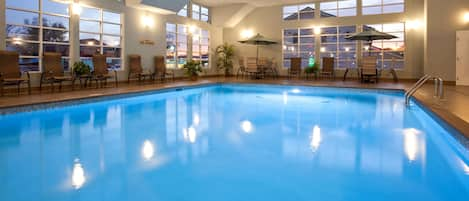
<point x="268" y="21"/>
<point x="134" y="32"/>
<point x="444" y="19"/>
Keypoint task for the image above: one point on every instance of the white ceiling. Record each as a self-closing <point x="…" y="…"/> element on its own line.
<point x="258" y="3"/>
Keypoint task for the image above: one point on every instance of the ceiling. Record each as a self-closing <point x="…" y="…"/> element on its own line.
<point x="258" y="3"/>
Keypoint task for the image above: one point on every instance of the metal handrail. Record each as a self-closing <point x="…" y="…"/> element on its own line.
<point x="438" y="82"/>
<point x="415" y="87"/>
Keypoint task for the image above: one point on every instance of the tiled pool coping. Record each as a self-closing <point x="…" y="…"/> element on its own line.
<point x="455" y="131"/>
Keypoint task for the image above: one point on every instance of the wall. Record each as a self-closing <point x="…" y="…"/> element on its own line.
<point x="268" y="21"/>
<point x="134" y="32"/>
<point x="444" y="19"/>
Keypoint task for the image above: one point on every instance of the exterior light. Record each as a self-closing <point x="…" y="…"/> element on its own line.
<point x="90" y="43"/>
<point x="317" y="30"/>
<point x="323" y="49"/>
<point x="76" y="9"/>
<point x="347" y="49"/>
<point x="17" y="41"/>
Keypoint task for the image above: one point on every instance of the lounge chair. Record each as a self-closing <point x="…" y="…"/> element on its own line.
<point x="136" y="69"/>
<point x="160" y="70"/>
<point x="54" y="71"/>
<point x="328" y="67"/>
<point x="10" y="73"/>
<point x="368" y="70"/>
<point x="242" y="68"/>
<point x="295" y="67"/>
<point x="101" y="72"/>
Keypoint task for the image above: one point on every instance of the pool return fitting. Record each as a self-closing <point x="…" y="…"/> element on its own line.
<point x="438" y="93"/>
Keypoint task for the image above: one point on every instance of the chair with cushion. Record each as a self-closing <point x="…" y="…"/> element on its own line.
<point x="242" y="68"/>
<point x="295" y="67"/>
<point x="328" y="67"/>
<point x="101" y="72"/>
<point x="160" y="69"/>
<point x="10" y="73"/>
<point x="136" y="69"/>
<point x="369" y="69"/>
<point x="54" y="71"/>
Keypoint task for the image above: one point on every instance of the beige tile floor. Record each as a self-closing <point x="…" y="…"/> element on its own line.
<point x="453" y="108"/>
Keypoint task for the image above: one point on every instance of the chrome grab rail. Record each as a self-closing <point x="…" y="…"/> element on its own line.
<point x="438" y="93"/>
<point x="415" y="87"/>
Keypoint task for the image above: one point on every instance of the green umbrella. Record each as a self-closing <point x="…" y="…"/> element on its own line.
<point x="370" y="36"/>
<point x="258" y="40"/>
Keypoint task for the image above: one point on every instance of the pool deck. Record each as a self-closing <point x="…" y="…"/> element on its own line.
<point x="453" y="108"/>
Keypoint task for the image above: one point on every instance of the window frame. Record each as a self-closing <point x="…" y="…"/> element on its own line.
<point x="177" y="65"/>
<point x="102" y="22"/>
<point x="338" y="52"/>
<point x="298" y="50"/>
<point x="337" y="8"/>
<point x="382" y="6"/>
<point x="196" y="14"/>
<point x="41" y="28"/>
<point x="298" y="11"/>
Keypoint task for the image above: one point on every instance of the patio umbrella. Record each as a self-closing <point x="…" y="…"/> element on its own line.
<point x="258" y="40"/>
<point x="370" y="36"/>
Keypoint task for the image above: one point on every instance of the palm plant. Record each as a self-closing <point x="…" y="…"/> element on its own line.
<point x="225" y="54"/>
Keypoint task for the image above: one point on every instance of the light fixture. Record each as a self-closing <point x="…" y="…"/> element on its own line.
<point x="78" y="175"/>
<point x="76" y="9"/>
<point x="90" y="43"/>
<point x="147" y="21"/>
<point x="246" y="126"/>
<point x="413" y="24"/>
<point x="466" y="17"/>
<point x="347" y="49"/>
<point x="148" y="150"/>
<point x="192" y="29"/>
<point x="247" y="33"/>
<point x="323" y="49"/>
<point x="17" y="40"/>
<point x="317" y="30"/>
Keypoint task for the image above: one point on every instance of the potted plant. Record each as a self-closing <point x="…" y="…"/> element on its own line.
<point x="81" y="68"/>
<point x="312" y="69"/>
<point x="225" y="54"/>
<point x="192" y="69"/>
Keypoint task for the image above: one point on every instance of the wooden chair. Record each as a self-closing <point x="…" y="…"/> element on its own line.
<point x="368" y="69"/>
<point x="328" y="67"/>
<point x="54" y="71"/>
<point x="10" y="73"/>
<point x="101" y="71"/>
<point x="160" y="69"/>
<point x="242" y="68"/>
<point x="295" y="67"/>
<point x="136" y="69"/>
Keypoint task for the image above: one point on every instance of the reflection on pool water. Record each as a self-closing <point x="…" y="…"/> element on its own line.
<point x="232" y="143"/>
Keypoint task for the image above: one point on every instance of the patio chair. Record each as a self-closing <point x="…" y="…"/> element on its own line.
<point x="295" y="67"/>
<point x="369" y="69"/>
<point x="10" y="73"/>
<point x="101" y="72"/>
<point x="252" y="68"/>
<point x="54" y="71"/>
<point x="328" y="67"/>
<point x="136" y="69"/>
<point x="242" y="68"/>
<point x="160" y="69"/>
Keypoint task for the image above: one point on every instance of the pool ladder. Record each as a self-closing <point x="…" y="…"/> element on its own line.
<point x="438" y="82"/>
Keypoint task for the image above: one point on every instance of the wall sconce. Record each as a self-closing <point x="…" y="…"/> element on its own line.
<point x="466" y="17"/>
<point x="147" y="21"/>
<point x="247" y="33"/>
<point x="191" y="29"/>
<point x="317" y="30"/>
<point x="413" y="24"/>
<point x="76" y="9"/>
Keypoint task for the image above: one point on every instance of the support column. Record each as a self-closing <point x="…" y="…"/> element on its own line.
<point x="74" y="35"/>
<point x="2" y="24"/>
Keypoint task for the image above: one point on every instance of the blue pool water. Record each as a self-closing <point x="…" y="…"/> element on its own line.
<point x="233" y="143"/>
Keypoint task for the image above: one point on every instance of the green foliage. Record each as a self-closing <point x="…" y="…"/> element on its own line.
<point x="312" y="69"/>
<point x="192" y="68"/>
<point x="80" y="68"/>
<point x="225" y="54"/>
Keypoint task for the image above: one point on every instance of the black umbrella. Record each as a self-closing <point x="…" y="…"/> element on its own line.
<point x="370" y="36"/>
<point x="258" y="40"/>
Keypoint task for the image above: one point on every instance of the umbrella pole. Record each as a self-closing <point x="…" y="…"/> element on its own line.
<point x="257" y="57"/>
<point x="369" y="47"/>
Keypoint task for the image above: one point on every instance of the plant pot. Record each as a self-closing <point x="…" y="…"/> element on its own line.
<point x="194" y="77"/>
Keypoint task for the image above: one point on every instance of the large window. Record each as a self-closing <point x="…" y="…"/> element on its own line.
<point x="374" y="7"/>
<point x="334" y="44"/>
<point x="176" y="45"/>
<point x="340" y="8"/>
<point x="298" y="12"/>
<point x="100" y="32"/>
<point x="196" y="12"/>
<point x="200" y="46"/>
<point x="298" y="43"/>
<point x="34" y="27"/>
<point x="389" y="52"/>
